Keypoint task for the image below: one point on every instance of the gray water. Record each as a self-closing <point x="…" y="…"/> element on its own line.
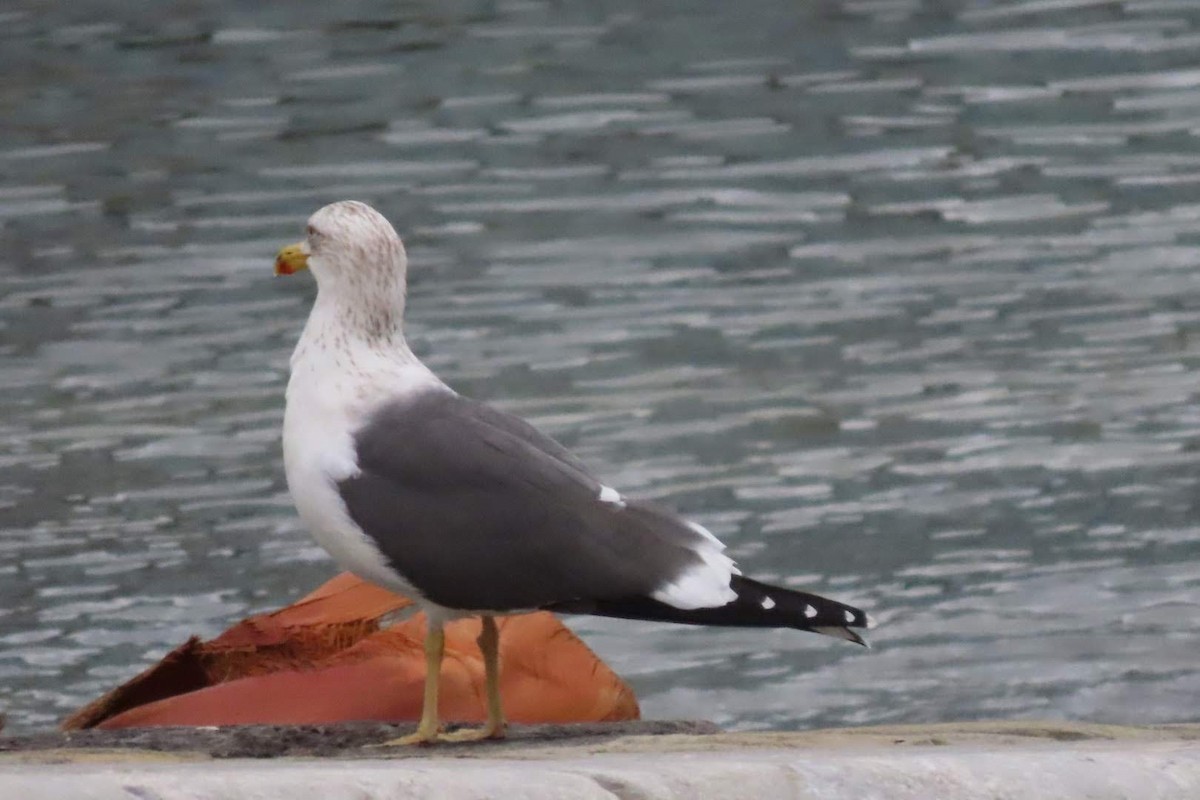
<point x="899" y="298"/>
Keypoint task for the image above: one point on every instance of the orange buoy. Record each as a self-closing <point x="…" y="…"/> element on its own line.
<point x="326" y="658"/>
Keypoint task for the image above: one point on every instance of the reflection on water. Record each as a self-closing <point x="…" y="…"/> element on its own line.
<point x="898" y="298"/>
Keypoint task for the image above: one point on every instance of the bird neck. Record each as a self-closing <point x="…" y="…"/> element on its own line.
<point x="349" y="321"/>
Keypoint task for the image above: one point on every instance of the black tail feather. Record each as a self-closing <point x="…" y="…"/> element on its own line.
<point x="758" y="605"/>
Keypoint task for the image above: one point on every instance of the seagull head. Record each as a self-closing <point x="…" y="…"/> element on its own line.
<point x="360" y="267"/>
<point x="347" y="242"/>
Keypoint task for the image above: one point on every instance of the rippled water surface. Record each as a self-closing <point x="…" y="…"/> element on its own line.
<point x="900" y="298"/>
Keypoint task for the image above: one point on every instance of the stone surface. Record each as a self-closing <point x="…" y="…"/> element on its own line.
<point x="644" y="760"/>
<point x="347" y="740"/>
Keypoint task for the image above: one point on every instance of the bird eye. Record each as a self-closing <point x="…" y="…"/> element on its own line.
<point x="312" y="231"/>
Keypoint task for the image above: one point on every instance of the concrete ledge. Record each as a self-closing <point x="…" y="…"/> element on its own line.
<point x="1008" y="760"/>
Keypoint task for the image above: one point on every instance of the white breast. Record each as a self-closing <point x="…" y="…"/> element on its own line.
<point x="329" y="396"/>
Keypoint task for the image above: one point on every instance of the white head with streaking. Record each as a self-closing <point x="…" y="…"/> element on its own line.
<point x="360" y="266"/>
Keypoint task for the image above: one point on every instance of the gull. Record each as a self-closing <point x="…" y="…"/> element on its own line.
<point x="464" y="508"/>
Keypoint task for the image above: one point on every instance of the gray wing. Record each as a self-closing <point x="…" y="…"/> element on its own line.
<point x="480" y="511"/>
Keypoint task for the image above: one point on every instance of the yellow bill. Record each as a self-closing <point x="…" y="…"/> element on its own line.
<point x="291" y="259"/>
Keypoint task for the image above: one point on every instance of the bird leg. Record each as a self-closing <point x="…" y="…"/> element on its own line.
<point x="428" y="729"/>
<point x="496" y="727"/>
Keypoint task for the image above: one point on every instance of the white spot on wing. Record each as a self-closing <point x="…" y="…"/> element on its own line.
<point x="612" y="496"/>
<point x="810" y="612"/>
<point x="706" y="533"/>
<point x="768" y="603"/>
<point x="849" y="617"/>
<point x="705" y="585"/>
<point x="702" y="586"/>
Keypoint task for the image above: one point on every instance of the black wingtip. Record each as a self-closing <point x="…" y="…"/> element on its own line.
<point x="757" y="605"/>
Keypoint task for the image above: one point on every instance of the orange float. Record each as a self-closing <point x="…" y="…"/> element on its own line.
<point x="327" y="658"/>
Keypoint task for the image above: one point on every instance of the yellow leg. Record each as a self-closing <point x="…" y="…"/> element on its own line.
<point x="428" y="728"/>
<point x="496" y="727"/>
